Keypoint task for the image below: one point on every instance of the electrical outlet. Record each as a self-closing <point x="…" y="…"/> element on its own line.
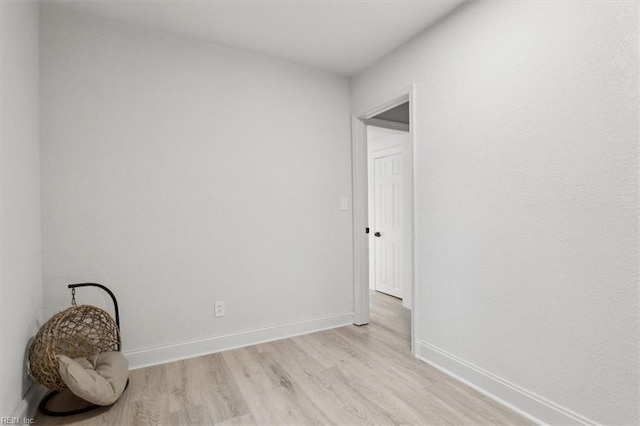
<point x="219" y="309"/>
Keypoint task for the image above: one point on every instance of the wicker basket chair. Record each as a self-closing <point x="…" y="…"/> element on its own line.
<point x="79" y="331"/>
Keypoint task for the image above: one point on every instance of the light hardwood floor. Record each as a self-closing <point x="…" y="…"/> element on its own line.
<point x="345" y="376"/>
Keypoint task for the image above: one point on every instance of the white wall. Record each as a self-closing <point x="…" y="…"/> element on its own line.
<point x="21" y="298"/>
<point x="527" y="198"/>
<point x="179" y="172"/>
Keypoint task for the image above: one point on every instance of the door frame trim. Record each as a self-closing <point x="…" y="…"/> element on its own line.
<point x="360" y="179"/>
<point x="388" y="124"/>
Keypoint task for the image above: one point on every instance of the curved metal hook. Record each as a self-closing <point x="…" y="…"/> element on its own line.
<point x="113" y="297"/>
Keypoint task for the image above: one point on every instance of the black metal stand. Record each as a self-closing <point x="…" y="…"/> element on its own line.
<point x="42" y="407"/>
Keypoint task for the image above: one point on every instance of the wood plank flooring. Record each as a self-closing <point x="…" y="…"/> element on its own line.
<point x="345" y="376"/>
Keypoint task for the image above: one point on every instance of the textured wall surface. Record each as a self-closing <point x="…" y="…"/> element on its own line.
<point x="180" y="173"/>
<point x="527" y="194"/>
<point x="21" y="284"/>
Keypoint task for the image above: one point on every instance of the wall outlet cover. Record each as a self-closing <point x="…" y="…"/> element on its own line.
<point x="219" y="309"/>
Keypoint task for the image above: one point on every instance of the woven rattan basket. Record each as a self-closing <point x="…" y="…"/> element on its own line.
<point x="79" y="331"/>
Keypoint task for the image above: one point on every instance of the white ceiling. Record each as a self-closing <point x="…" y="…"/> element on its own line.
<point x="344" y="36"/>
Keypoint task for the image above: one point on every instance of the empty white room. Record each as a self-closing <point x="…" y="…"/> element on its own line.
<point x="320" y="212"/>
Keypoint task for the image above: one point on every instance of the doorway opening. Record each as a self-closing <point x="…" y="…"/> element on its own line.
<point x="384" y="229"/>
<point x="388" y="202"/>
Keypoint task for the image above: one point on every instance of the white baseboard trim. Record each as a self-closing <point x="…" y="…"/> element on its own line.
<point x="191" y="349"/>
<point x="28" y="407"/>
<point x="527" y="403"/>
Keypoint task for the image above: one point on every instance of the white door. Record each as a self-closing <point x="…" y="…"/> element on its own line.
<point x="387" y="221"/>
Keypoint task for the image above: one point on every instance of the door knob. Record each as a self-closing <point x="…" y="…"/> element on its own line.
<point x="377" y="234"/>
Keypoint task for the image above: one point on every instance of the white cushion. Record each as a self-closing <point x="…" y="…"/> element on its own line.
<point x="100" y="378"/>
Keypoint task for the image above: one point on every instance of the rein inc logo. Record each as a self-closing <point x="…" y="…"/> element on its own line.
<point x="17" y="421"/>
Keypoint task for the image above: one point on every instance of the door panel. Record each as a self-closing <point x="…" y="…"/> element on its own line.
<point x="387" y="220"/>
